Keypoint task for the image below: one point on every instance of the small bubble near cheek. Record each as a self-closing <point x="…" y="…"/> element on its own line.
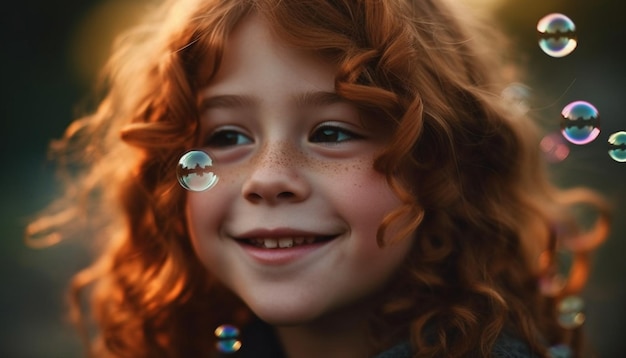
<point x="195" y="171"/>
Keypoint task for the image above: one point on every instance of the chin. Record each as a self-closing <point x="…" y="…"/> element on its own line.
<point x="278" y="315"/>
<point x="285" y="317"/>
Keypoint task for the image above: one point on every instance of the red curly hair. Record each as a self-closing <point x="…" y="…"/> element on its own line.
<point x="486" y="221"/>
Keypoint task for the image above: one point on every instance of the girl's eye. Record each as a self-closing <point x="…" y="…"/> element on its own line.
<point x="331" y="134"/>
<point x="227" y="138"/>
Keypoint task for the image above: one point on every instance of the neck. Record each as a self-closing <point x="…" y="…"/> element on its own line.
<point x="342" y="335"/>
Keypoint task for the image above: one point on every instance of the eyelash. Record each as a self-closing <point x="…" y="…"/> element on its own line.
<point x="224" y="138"/>
<point x="322" y="134"/>
<point x="338" y="134"/>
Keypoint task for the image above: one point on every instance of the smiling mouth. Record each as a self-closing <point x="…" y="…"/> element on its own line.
<point x="286" y="242"/>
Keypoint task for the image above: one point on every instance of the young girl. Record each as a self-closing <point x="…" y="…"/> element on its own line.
<point x="374" y="197"/>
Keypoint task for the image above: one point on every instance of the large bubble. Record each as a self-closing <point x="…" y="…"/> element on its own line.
<point x="557" y="35"/>
<point x="617" y="146"/>
<point x="580" y="122"/>
<point x="194" y="171"/>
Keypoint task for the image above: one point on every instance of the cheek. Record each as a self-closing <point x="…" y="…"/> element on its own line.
<point x="363" y="198"/>
<point x="206" y="210"/>
<point x="200" y="210"/>
<point x="204" y="222"/>
<point x="204" y="215"/>
<point x="198" y="227"/>
<point x="364" y="195"/>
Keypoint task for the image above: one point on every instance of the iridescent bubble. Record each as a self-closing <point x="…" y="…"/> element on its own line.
<point x="557" y="35"/>
<point x="617" y="146"/>
<point x="226" y="331"/>
<point x="570" y="312"/>
<point x="580" y="122"/>
<point x="194" y="171"/>
<point x="227" y="335"/>
<point x="554" y="147"/>
<point x="228" y="345"/>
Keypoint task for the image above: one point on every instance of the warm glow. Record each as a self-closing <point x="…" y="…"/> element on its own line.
<point x="95" y="34"/>
<point x="481" y="3"/>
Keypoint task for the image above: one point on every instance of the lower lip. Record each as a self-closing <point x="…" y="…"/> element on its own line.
<point x="281" y="256"/>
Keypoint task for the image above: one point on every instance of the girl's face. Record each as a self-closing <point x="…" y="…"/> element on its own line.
<point x="291" y="225"/>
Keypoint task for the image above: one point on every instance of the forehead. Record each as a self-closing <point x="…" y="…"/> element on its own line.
<point x="254" y="55"/>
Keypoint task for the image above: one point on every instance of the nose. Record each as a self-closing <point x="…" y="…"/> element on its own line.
<point x="276" y="177"/>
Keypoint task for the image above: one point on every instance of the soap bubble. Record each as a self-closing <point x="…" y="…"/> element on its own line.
<point x="194" y="171"/>
<point x="228" y="345"/>
<point x="554" y="148"/>
<point x="557" y="35"/>
<point x="617" y="146"/>
<point x="226" y="331"/>
<point x="580" y="122"/>
<point x="227" y="335"/>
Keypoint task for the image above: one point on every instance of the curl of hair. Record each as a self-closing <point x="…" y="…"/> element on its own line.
<point x="476" y="200"/>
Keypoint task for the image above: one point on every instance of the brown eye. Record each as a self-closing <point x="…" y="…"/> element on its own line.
<point x="331" y="134"/>
<point x="227" y="138"/>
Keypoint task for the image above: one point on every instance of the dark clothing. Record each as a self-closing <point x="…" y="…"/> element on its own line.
<point x="259" y="341"/>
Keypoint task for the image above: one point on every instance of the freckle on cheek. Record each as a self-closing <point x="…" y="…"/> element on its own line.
<point x="287" y="155"/>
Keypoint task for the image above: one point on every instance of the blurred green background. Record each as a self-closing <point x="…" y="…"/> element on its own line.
<point x="51" y="51"/>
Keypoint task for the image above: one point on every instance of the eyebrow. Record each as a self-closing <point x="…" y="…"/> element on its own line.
<point x="317" y="98"/>
<point x="304" y="99"/>
<point x="227" y="101"/>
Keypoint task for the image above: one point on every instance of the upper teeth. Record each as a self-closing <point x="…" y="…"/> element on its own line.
<point x="273" y="243"/>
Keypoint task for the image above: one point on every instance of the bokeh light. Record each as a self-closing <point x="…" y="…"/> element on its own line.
<point x="571" y="312"/>
<point x="517" y="96"/>
<point x="554" y="148"/>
